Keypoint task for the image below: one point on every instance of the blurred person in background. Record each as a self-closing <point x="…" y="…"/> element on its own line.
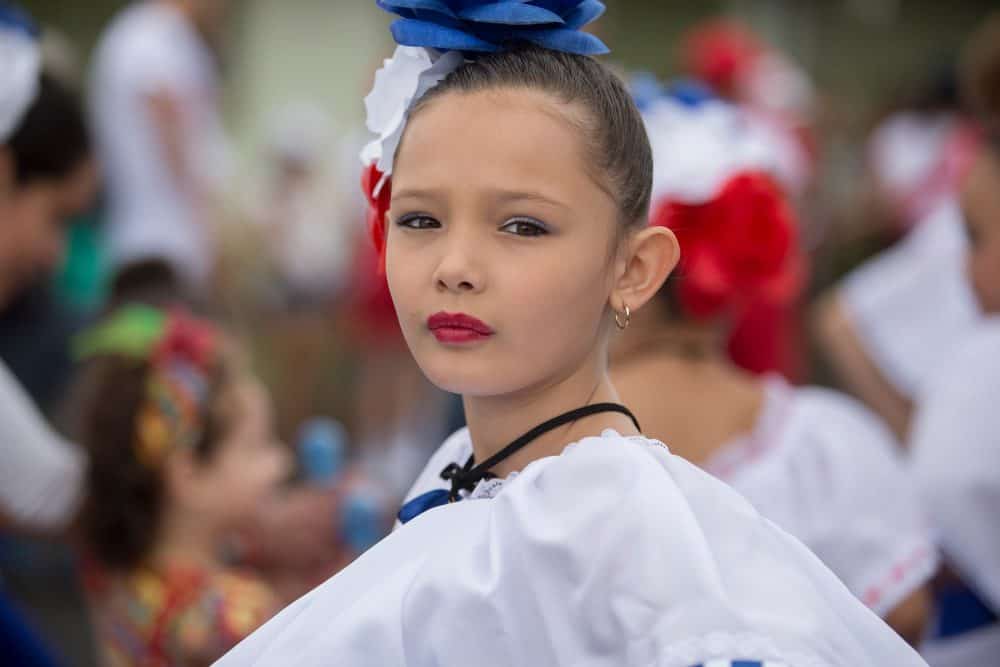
<point x="155" y="106"/>
<point x="875" y="327"/>
<point x="955" y="439"/>
<point x="309" y="238"/>
<point x="182" y="453"/>
<point x="816" y="463"/>
<point x="46" y="176"/>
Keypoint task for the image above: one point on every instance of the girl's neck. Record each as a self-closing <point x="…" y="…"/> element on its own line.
<point x="188" y="541"/>
<point x="495" y="421"/>
<point x="684" y="390"/>
<point x="690" y="341"/>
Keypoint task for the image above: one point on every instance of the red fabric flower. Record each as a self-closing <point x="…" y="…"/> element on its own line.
<point x="189" y="339"/>
<point x="720" y="52"/>
<point x="378" y="206"/>
<point x="739" y="246"/>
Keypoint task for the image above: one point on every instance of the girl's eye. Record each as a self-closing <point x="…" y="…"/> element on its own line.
<point x="418" y="221"/>
<point x="524" y="227"/>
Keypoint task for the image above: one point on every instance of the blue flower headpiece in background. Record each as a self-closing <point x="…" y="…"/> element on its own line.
<point x="20" y="67"/>
<point x="489" y="26"/>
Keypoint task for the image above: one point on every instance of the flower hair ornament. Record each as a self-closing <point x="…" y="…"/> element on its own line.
<point x="182" y="352"/>
<point x="436" y="37"/>
<point x="714" y="187"/>
<point x="20" y="67"/>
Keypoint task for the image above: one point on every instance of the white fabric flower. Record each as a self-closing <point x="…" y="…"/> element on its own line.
<point x="403" y="80"/>
<point x="697" y="149"/>
<point x="20" y="64"/>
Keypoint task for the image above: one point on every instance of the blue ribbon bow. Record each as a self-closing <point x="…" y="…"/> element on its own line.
<point x="422" y="503"/>
<point x="490" y="26"/>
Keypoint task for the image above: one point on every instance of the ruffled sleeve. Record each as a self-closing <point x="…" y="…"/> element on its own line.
<point x="614" y="553"/>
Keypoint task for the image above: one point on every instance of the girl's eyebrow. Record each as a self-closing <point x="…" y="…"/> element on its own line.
<point x="500" y="195"/>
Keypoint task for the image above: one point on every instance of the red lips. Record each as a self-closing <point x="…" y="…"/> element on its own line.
<point x="458" y="328"/>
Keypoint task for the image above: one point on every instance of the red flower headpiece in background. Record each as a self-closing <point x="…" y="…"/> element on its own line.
<point x="378" y="206"/>
<point x="738" y="247"/>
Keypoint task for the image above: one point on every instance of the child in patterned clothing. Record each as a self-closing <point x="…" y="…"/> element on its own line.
<point x="182" y="451"/>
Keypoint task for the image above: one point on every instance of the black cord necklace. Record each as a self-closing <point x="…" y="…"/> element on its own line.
<point x="465" y="478"/>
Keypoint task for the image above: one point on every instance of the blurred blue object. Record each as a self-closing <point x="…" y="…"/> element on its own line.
<point x="322" y="446"/>
<point x="322" y="450"/>
<point x="646" y="88"/>
<point x="690" y="92"/>
<point x="362" y="520"/>
<point x="19" y="643"/>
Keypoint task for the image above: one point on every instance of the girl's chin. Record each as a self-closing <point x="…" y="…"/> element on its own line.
<point x="458" y="378"/>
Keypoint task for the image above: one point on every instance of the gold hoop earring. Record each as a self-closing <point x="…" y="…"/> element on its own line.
<point x="622" y="326"/>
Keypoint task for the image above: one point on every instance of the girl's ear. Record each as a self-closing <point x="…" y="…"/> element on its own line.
<point x="651" y="255"/>
<point x="180" y="476"/>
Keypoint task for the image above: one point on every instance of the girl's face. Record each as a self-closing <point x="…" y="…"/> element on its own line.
<point x="981" y="207"/>
<point x="248" y="463"/>
<point x="33" y="225"/>
<point x="500" y="253"/>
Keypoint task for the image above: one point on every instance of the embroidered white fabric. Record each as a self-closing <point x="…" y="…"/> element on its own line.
<point x="822" y="467"/>
<point x="614" y="553"/>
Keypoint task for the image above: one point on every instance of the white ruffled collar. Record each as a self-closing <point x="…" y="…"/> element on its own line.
<point x="492" y="487"/>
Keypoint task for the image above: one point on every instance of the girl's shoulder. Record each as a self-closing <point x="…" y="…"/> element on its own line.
<point x="227" y="606"/>
<point x="178" y="614"/>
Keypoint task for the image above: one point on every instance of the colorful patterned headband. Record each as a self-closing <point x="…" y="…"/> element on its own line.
<point x="436" y="37"/>
<point x="20" y="67"/>
<point x="182" y="352"/>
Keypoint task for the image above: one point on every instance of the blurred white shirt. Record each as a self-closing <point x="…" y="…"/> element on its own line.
<point x="912" y="302"/>
<point x="41" y="475"/>
<point x="956" y="461"/>
<point x="150" y="49"/>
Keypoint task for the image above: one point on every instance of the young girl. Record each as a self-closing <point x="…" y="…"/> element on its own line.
<point x="815" y="462"/>
<point x="181" y="452"/>
<point x="516" y="243"/>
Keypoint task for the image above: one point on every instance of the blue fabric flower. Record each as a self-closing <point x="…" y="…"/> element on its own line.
<point x="489" y="26"/>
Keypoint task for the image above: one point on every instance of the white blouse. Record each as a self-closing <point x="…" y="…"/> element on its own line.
<point x="913" y="301"/>
<point x="613" y="553"/>
<point x="955" y="445"/>
<point x="826" y="470"/>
